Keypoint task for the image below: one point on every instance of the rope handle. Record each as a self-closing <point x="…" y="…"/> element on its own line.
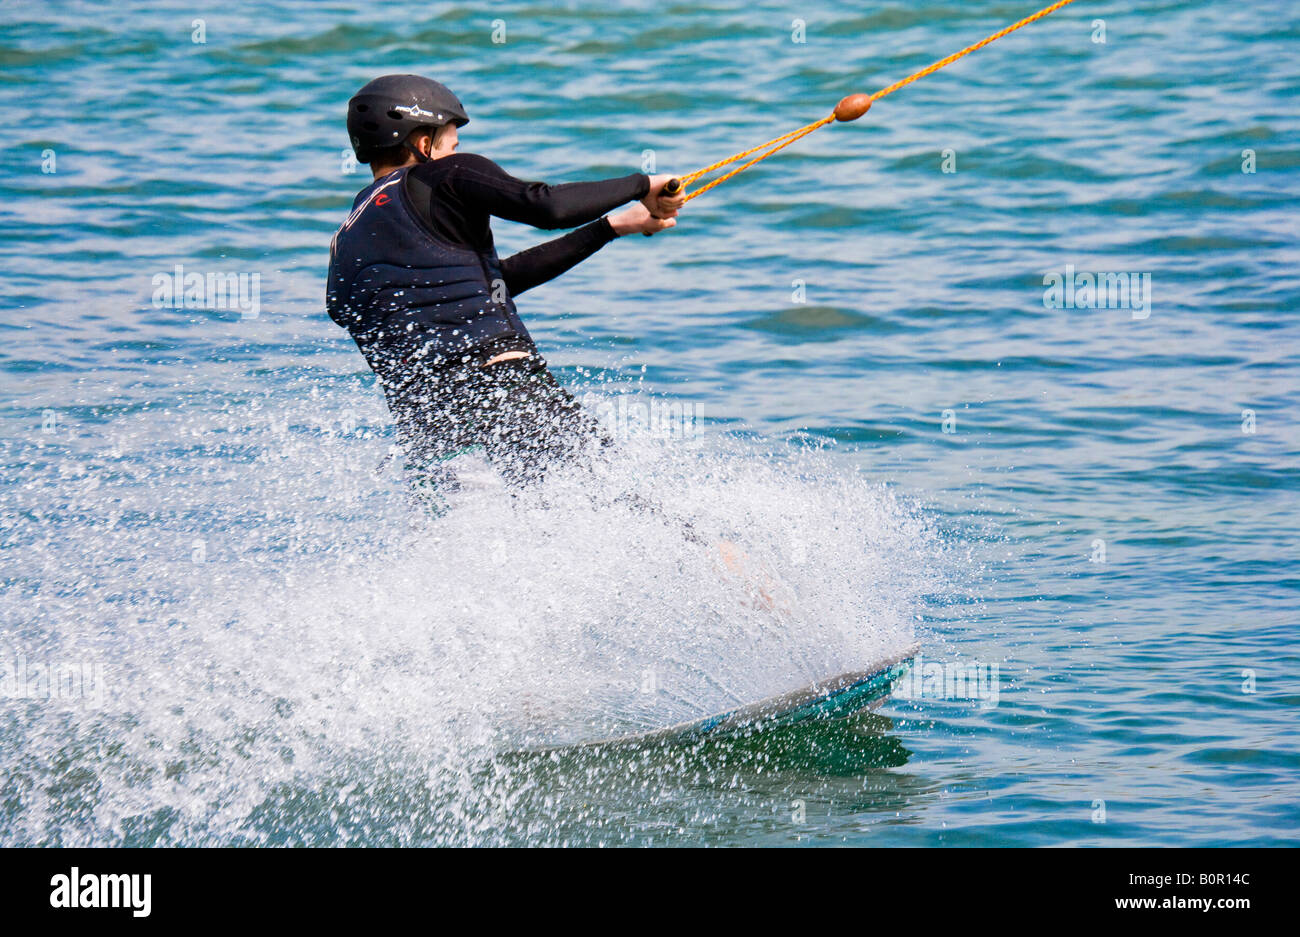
<point x="671" y="188"/>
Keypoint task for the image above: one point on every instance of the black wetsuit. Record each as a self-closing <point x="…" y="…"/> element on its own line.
<point x="430" y="307"/>
<point x="458" y="194"/>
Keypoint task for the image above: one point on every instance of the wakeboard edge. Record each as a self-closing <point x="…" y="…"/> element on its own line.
<point x="838" y="695"/>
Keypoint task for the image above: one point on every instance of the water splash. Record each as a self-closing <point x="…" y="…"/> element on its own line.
<point x="293" y="651"/>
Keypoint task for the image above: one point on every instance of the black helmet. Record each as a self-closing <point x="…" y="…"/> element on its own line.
<point x="386" y="110"/>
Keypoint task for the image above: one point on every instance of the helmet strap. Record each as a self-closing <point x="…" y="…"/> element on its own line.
<point x="416" y="150"/>
<point x="420" y="156"/>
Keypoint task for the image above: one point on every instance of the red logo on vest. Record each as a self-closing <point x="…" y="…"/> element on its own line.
<point x="382" y="200"/>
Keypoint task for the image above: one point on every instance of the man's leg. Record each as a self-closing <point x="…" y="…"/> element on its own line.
<point x="535" y="424"/>
<point x="436" y="422"/>
<point x="539" y="425"/>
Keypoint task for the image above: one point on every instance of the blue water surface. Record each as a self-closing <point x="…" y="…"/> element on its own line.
<point x="1110" y="493"/>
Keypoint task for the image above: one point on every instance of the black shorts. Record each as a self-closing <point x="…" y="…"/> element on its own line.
<point x="515" y="412"/>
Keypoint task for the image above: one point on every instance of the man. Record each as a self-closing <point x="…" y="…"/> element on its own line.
<point x="415" y="278"/>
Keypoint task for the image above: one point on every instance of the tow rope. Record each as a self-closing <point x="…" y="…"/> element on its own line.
<point x="850" y="108"/>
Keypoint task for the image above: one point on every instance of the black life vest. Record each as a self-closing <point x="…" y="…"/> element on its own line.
<point x="406" y="296"/>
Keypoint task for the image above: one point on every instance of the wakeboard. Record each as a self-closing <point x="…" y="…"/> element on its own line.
<point x="834" y="698"/>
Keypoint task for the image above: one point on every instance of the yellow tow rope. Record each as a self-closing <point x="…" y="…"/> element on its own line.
<point x="851" y="108"/>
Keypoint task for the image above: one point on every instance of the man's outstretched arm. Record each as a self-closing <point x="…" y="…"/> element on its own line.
<point x="548" y="260"/>
<point x="481" y="185"/>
